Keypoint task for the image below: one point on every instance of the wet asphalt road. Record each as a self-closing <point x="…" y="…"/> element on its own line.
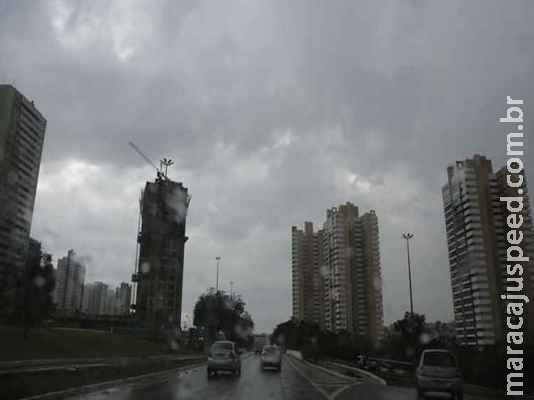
<point x="194" y="384"/>
<point x="294" y="382"/>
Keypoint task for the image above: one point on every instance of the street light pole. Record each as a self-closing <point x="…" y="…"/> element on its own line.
<point x="407" y="236"/>
<point x="217" y="284"/>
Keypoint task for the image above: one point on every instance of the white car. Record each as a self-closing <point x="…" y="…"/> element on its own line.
<point x="438" y="371"/>
<point x="223" y="357"/>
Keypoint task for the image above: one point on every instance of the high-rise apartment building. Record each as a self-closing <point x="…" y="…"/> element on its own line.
<point x="94" y="298"/>
<point x="87" y="295"/>
<point x="70" y="279"/>
<point x="336" y="273"/>
<point x="100" y="299"/>
<point x="22" y="131"/>
<point x="476" y="227"/>
<point x="159" y="276"/>
<point x="307" y="287"/>
<point x="123" y="295"/>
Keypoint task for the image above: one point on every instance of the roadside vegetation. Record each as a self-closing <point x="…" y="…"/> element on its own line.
<point x="67" y="343"/>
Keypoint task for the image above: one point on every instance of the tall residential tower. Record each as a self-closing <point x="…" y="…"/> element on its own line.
<point x="22" y="131"/>
<point x="476" y="236"/>
<point x="70" y="279"/>
<point x="307" y="287"/>
<point x="336" y="273"/>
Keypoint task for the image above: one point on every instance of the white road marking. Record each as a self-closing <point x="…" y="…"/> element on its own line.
<point x="332" y="396"/>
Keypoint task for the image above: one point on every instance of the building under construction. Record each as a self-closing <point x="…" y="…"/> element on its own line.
<point x="160" y="253"/>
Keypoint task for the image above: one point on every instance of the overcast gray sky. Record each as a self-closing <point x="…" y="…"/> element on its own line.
<point x="273" y="111"/>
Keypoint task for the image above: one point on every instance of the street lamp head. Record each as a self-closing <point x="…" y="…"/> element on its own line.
<point x="407" y="235"/>
<point x="217" y="258"/>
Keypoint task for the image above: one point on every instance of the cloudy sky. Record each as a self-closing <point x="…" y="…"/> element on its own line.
<point x="273" y="111"/>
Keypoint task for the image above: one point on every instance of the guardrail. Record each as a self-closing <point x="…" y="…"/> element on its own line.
<point x="294" y="353"/>
<point x="392" y="371"/>
<point x="405" y="364"/>
<point x="367" y="374"/>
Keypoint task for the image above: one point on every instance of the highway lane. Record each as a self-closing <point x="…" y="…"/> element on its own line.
<point x="194" y="384"/>
<point x="296" y="382"/>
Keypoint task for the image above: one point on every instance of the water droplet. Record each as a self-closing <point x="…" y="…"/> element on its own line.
<point x="39" y="281"/>
<point x="145" y="267"/>
<point x="425" y="338"/>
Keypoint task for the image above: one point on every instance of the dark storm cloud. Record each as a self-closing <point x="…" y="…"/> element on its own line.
<point x="273" y="111"/>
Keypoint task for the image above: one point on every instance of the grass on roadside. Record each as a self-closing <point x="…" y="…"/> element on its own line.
<point x="60" y="343"/>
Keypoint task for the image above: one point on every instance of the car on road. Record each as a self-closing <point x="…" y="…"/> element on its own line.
<point x="361" y="361"/>
<point x="372" y="364"/>
<point x="271" y="357"/>
<point x="223" y="356"/>
<point x="438" y="371"/>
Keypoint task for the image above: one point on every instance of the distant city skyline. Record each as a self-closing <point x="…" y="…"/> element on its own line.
<point x="270" y="110"/>
<point x="100" y="298"/>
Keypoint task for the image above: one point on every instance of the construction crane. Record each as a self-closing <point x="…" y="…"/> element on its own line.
<point x="167" y="162"/>
<point x="164" y="163"/>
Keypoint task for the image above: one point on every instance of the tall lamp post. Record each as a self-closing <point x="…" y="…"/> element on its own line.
<point x="217" y="283"/>
<point x="407" y="236"/>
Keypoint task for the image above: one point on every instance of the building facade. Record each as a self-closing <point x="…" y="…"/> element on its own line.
<point x="94" y="298"/>
<point x="476" y="228"/>
<point x="159" y="275"/>
<point x="22" y="131"/>
<point x="100" y="299"/>
<point x="123" y="296"/>
<point x="70" y="278"/>
<point x="336" y="273"/>
<point x="307" y="287"/>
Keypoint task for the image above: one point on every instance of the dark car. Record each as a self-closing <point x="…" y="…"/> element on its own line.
<point x="271" y="357"/>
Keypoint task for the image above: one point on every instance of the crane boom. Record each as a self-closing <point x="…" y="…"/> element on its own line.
<point x="138" y="151"/>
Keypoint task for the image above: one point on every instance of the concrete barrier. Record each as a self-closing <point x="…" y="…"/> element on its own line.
<point x="369" y="375"/>
<point x="294" y="353"/>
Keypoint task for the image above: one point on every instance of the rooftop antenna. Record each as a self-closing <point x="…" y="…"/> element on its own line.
<point x="166" y="162"/>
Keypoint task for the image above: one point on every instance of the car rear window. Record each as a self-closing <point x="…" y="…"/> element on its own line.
<point x="270" y="349"/>
<point x="222" y="346"/>
<point x="439" y="359"/>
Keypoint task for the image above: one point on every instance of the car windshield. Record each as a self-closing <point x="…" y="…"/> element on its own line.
<point x="439" y="359"/>
<point x="314" y="184"/>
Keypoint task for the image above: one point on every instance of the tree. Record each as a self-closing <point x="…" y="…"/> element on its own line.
<point x="216" y="311"/>
<point x="411" y="328"/>
<point x="37" y="285"/>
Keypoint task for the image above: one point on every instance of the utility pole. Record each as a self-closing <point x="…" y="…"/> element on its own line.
<point x="232" y="290"/>
<point x="407" y="236"/>
<point x="217" y="283"/>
